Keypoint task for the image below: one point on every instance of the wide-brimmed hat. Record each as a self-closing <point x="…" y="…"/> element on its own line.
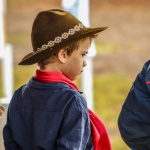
<point x="53" y="30"/>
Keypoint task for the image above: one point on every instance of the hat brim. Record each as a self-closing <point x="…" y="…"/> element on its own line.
<point x="33" y="57"/>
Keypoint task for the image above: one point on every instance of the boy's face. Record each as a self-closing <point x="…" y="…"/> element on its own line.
<point x="75" y="63"/>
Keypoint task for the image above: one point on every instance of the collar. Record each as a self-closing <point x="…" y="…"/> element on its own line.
<point x="48" y="77"/>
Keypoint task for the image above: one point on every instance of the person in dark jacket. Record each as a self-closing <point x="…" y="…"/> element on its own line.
<point x="49" y="112"/>
<point x="134" y="120"/>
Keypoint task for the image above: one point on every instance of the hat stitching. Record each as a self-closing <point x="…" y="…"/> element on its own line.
<point x="58" y="39"/>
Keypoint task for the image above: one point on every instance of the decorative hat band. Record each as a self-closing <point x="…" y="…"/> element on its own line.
<point x="58" y="39"/>
<point x="58" y="29"/>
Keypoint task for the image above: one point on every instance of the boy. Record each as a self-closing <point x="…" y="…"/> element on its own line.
<point x="49" y="112"/>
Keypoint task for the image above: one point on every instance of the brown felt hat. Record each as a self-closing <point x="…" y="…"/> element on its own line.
<point x="53" y="30"/>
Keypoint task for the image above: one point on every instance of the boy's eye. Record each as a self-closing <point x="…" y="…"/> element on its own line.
<point x="84" y="55"/>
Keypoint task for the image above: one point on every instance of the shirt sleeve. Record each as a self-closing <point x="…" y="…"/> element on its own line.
<point x="75" y="132"/>
<point x="9" y="142"/>
<point x="134" y="118"/>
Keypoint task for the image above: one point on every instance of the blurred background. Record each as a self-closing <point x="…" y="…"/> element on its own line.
<point x="122" y="50"/>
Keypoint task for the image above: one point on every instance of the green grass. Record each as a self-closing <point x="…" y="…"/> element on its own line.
<point x="106" y="48"/>
<point x="110" y="91"/>
<point x="22" y="74"/>
<point x="18" y="38"/>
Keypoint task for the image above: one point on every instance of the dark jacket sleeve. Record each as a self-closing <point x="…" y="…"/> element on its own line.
<point x="9" y="142"/>
<point x="134" y="118"/>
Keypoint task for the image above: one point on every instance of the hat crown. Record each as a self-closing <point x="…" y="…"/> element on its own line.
<point x="48" y="25"/>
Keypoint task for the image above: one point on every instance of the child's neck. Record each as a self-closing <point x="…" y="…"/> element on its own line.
<point x="50" y="68"/>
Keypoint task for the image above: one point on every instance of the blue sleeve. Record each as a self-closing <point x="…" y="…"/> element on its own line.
<point x="9" y="142"/>
<point x="75" y="132"/>
<point x="134" y="118"/>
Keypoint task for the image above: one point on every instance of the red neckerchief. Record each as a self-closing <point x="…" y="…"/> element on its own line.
<point x="99" y="134"/>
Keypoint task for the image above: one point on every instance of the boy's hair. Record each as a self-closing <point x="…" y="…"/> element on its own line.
<point x="70" y="48"/>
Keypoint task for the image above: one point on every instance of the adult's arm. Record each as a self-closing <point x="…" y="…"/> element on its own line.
<point x="134" y="118"/>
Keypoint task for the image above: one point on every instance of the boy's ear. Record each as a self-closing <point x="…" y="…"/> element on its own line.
<point x="62" y="55"/>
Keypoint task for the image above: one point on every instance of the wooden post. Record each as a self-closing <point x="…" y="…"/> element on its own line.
<point x="6" y="59"/>
<point x="1" y="29"/>
<point x="7" y="70"/>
